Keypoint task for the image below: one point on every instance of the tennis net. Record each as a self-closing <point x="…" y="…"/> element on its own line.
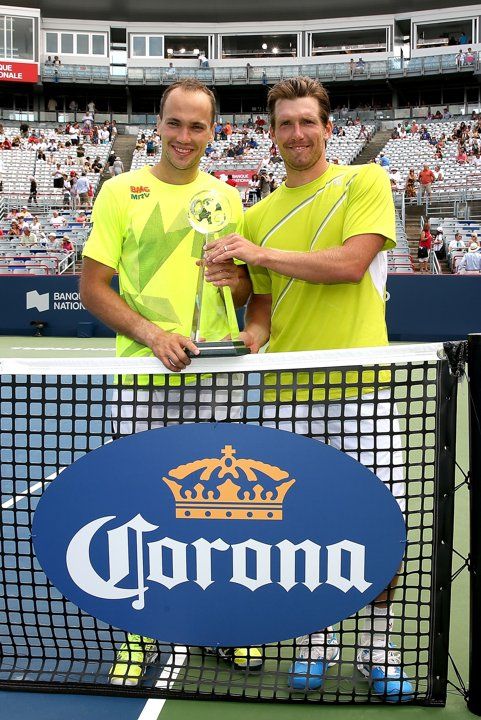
<point x="53" y="412"/>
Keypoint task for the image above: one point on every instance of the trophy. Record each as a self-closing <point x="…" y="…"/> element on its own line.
<point x="210" y="213"/>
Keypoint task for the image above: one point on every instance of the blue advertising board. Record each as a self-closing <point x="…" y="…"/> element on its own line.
<point x="218" y="534"/>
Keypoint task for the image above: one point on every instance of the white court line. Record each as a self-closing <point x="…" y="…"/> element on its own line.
<point x="31" y="489"/>
<point x="68" y="349"/>
<point x="153" y="707"/>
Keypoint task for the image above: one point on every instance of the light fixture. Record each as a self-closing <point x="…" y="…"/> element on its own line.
<point x="170" y="51"/>
<point x="264" y="46"/>
<point x="182" y="50"/>
<point x="275" y="50"/>
<point x="196" y="51"/>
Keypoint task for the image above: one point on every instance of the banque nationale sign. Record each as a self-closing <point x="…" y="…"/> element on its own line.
<point x="218" y="534"/>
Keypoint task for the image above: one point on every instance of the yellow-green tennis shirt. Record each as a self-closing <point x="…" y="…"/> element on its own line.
<point x="141" y="229"/>
<point x="345" y="201"/>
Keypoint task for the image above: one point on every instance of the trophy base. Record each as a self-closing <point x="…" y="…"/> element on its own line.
<point x="223" y="348"/>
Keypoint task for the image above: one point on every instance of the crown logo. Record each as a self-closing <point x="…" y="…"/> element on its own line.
<point x="228" y="488"/>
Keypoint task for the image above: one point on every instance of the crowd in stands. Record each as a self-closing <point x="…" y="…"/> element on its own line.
<point x="456" y="241"/>
<point x="41" y="244"/>
<point x="426" y="157"/>
<point x="55" y="163"/>
<point x="249" y="147"/>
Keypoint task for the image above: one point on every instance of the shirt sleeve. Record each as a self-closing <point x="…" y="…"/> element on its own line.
<point x="105" y="240"/>
<point x="370" y="206"/>
<point x="260" y="277"/>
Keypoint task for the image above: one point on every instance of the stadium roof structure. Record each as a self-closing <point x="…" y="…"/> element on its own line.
<point x="222" y="11"/>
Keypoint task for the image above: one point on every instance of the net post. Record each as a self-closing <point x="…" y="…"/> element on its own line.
<point x="474" y="370"/>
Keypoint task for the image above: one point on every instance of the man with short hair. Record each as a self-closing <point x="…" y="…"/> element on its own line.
<point x="141" y="229"/>
<point x="471" y="262"/>
<point x="426" y="179"/>
<point x="315" y="252"/>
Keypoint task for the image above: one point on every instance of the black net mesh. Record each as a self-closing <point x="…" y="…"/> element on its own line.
<point x="392" y="417"/>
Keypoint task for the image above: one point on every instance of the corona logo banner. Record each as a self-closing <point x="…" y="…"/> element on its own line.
<point x="218" y="534"/>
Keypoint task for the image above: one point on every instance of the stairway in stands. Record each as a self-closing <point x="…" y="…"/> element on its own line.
<point x="373" y="148"/>
<point x="123" y="147"/>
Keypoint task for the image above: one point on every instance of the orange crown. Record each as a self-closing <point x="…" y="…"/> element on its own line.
<point x="227" y="498"/>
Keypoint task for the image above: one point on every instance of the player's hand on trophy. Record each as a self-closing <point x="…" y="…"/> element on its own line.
<point x="232" y="246"/>
<point x="171" y="348"/>
<point x="221" y="274"/>
<point x="250" y="341"/>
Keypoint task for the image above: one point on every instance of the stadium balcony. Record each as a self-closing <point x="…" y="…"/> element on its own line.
<point x="223" y="75"/>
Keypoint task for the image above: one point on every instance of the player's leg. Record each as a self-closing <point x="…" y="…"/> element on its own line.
<point x="370" y="433"/>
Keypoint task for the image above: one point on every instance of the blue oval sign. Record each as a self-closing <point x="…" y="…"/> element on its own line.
<point x="218" y="534"/>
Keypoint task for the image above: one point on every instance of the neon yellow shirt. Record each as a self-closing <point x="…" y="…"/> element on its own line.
<point x="141" y="229"/>
<point x="343" y="202"/>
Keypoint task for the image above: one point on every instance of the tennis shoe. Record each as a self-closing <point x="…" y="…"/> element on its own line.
<point x="242" y="658"/>
<point x="382" y="667"/>
<point x="132" y="659"/>
<point x="316" y="653"/>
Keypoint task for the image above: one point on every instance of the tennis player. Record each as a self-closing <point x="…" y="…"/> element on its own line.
<point x="316" y="254"/>
<point x="141" y="230"/>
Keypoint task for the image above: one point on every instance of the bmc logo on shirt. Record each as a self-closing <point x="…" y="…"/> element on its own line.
<point x="139" y="192"/>
<point x="218" y="534"/>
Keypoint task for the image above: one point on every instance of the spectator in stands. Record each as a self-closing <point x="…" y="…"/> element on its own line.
<point x="67" y="245"/>
<point x="94" y="138"/>
<point x="360" y="65"/>
<point x="230" y="152"/>
<point x="83" y="185"/>
<point x="272" y="182"/>
<point x="91" y="108"/>
<point x="104" y="135"/>
<point x="203" y="62"/>
<point x="463" y="39"/>
<point x="41" y="155"/>
<point x="424" y="247"/>
<point x="57" y="175"/>
<point x="73" y="106"/>
<point x="24" y="129"/>
<point x="97" y="165"/>
<point x="438" y="174"/>
<point x="470" y="57"/>
<point x="475" y="160"/>
<point x="426" y="179"/>
<point x="460" y="59"/>
<point x="52" y="240"/>
<point x="32" y="198"/>
<point x="209" y="149"/>
<point x="110" y="162"/>
<point x="457" y="243"/>
<point x="150" y="147"/>
<point x="264" y="78"/>
<point x="56" y="61"/>
<point x="35" y="225"/>
<point x="218" y="127"/>
<point x="230" y="181"/>
<point x="113" y="130"/>
<point x="118" y="166"/>
<point x="82" y="218"/>
<point x="254" y="192"/>
<point x="462" y="157"/>
<point x="384" y="161"/>
<point x="438" y="243"/>
<point x="264" y="186"/>
<point x="48" y="61"/>
<point x="171" y="71"/>
<point x="28" y="237"/>
<point x="52" y="105"/>
<point x="12" y="215"/>
<point x="56" y="221"/>
<point x="238" y="150"/>
<point x="14" y="229"/>
<point x="352" y="67"/>
<point x="471" y="262"/>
